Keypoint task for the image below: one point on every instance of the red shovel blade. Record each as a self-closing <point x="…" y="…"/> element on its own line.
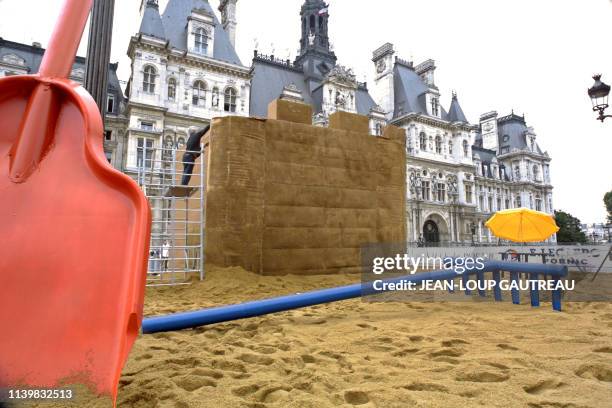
<point x="73" y="251"/>
<point x="74" y="239"/>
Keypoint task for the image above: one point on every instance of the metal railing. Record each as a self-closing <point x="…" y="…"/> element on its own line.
<point x="173" y="182"/>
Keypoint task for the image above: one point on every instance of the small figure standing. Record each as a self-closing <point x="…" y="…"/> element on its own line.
<point x="420" y="241"/>
<point x="165" y="254"/>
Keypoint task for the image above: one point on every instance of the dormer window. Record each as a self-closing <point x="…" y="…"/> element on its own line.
<point x="110" y="104"/>
<point x="435" y="107"/>
<point x="201" y="41"/>
<point x="379" y="129"/>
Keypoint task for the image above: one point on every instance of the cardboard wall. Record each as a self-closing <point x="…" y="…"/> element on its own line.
<point x="287" y="197"/>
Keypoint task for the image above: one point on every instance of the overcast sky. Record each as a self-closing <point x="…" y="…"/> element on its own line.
<point x="533" y="56"/>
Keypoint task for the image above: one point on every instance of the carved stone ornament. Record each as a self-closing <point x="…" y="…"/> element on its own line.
<point x="342" y="75"/>
<point x="13" y="60"/>
<point x="311" y="38"/>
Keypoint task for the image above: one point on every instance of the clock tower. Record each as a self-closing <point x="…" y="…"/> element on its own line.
<point x="383" y="91"/>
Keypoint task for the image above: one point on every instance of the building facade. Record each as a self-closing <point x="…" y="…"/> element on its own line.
<point x="314" y="77"/>
<point x="185" y="71"/>
<point x="23" y="59"/>
<point x="459" y="173"/>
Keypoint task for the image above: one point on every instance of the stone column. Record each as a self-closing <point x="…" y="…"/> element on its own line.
<point x="98" y="51"/>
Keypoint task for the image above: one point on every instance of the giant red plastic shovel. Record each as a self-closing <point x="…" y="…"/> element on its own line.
<point x="74" y="232"/>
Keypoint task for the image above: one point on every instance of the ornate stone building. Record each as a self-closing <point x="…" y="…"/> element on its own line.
<point x="23" y="59"/>
<point x="185" y="71"/>
<point x="458" y="173"/>
<point x="314" y="77"/>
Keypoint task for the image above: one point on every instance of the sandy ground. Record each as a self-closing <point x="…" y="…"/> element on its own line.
<point x="355" y="353"/>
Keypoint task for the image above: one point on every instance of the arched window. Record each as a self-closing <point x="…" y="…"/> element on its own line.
<point x="199" y="93"/>
<point x="438" y="144"/>
<point x="201" y="41"/>
<point x="215" y="97"/>
<point x="172" y="89"/>
<point x="466" y="148"/>
<point x="423" y="141"/>
<point x="230" y="100"/>
<point x="148" y="81"/>
<point x="450" y="147"/>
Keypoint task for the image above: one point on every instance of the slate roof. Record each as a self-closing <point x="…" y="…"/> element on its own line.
<point x="408" y="88"/>
<point x="174" y="23"/>
<point x="410" y="93"/>
<point x="512" y="133"/>
<point x="33" y="57"/>
<point x="269" y="79"/>
<point x="151" y="23"/>
<point x="455" y="113"/>
<point x="364" y="101"/>
<point x="268" y="82"/>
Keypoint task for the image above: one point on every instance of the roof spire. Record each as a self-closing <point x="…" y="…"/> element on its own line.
<point x="151" y="20"/>
<point x="455" y="113"/>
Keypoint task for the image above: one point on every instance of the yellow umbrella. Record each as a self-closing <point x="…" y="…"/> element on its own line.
<point x="522" y="225"/>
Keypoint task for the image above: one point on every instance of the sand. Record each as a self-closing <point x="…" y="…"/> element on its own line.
<point x="356" y="353"/>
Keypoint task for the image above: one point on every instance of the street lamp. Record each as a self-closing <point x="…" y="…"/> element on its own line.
<point x="416" y="187"/>
<point x="609" y="229"/>
<point x="599" y="97"/>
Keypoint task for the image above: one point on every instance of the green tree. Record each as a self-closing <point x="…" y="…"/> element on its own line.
<point x="608" y="203"/>
<point x="569" y="231"/>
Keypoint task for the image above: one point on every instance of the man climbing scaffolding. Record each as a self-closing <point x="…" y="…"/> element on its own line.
<point x="193" y="151"/>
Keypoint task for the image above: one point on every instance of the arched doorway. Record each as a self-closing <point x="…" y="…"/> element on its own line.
<point x="431" y="233"/>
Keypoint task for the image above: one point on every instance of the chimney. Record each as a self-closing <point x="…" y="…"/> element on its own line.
<point x="228" y="18"/>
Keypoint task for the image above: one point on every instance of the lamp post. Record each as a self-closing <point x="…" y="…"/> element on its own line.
<point x="416" y="187"/>
<point x="609" y="230"/>
<point x="599" y="93"/>
<point x="453" y="192"/>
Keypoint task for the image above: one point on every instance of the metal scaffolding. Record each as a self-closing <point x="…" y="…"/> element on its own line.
<point x="173" y="182"/>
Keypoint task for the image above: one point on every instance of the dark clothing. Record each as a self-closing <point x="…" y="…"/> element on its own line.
<point x="193" y="152"/>
<point x="188" y="165"/>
